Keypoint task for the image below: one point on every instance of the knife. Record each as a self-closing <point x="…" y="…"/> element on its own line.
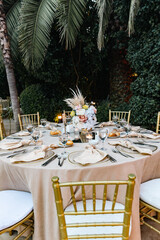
<point x="111" y="158"/>
<point x="49" y="160"/>
<point x="6" y="153"/>
<point x="150" y="145"/>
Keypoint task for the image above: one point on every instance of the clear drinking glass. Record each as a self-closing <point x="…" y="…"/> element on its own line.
<point x="63" y="140"/>
<point x="43" y="122"/>
<point x="103" y="135"/>
<point x="30" y="128"/>
<point x="35" y="135"/>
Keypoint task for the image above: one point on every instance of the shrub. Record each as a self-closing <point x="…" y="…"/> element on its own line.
<point x="103" y="111"/>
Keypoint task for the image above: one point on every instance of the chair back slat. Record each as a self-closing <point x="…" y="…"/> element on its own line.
<point x="120" y="115"/>
<point x="115" y="196"/>
<point x="84" y="198"/>
<point x="27" y="119"/>
<point x="94" y="197"/>
<point x="73" y="198"/>
<point x="104" y="197"/>
<point x="2" y="129"/>
<point x="125" y="223"/>
<point x="158" y="123"/>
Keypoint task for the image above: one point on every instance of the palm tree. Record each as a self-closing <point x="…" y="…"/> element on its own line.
<point x="37" y="18"/>
<point x="6" y="53"/>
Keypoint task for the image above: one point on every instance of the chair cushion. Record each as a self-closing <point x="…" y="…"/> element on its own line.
<point x="14" y="206"/>
<point x="150" y="192"/>
<point x="95" y="218"/>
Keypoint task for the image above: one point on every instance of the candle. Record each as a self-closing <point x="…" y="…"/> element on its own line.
<point x="59" y="118"/>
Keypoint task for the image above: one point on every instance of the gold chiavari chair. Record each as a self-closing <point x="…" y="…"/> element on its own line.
<point x="0" y="109"/>
<point x="26" y="119"/>
<point x="94" y="218"/>
<point x="16" y="208"/>
<point x="150" y="204"/>
<point x="158" y="123"/>
<point x="120" y="115"/>
<point x="2" y="129"/>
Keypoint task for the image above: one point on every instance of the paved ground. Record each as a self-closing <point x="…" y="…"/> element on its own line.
<point x="146" y="233"/>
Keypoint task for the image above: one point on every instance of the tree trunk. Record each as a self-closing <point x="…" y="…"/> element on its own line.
<point x="6" y="52"/>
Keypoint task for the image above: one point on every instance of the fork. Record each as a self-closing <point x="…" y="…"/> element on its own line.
<point x="123" y="154"/>
<point x="64" y="158"/>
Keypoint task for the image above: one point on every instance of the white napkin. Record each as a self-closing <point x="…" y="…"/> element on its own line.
<point x="23" y="133"/>
<point x="135" y="128"/>
<point x="90" y="156"/>
<point x="8" y="145"/>
<point x="129" y="145"/>
<point x="140" y="135"/>
<point x="28" y="157"/>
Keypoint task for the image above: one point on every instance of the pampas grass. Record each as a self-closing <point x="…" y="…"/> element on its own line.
<point x="77" y="99"/>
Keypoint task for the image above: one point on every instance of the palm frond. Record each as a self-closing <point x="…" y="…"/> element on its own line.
<point x="134" y="7"/>
<point x="104" y="10"/>
<point x="12" y="20"/>
<point x="36" y="19"/>
<point x="69" y="19"/>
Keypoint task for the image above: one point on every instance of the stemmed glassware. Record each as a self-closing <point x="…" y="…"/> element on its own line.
<point x="43" y="122"/>
<point x="30" y="128"/>
<point x="103" y="135"/>
<point x="63" y="140"/>
<point x="35" y="135"/>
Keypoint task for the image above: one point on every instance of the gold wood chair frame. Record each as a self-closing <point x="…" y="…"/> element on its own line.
<point x="146" y="212"/>
<point x="158" y="123"/>
<point x="2" y="129"/>
<point x="120" y="114"/>
<point x="26" y="119"/>
<point x="27" y="223"/>
<point x="61" y="213"/>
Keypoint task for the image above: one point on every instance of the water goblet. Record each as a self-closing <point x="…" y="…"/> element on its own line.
<point x="35" y="135"/>
<point x="43" y="122"/>
<point x="102" y="135"/>
<point x="115" y="119"/>
<point x="63" y="140"/>
<point x="30" y="128"/>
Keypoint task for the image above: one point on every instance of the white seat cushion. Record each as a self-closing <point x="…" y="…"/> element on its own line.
<point x="14" y="206"/>
<point x="150" y="192"/>
<point x="95" y="218"/>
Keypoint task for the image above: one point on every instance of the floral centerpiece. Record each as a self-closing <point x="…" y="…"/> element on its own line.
<point x="83" y="114"/>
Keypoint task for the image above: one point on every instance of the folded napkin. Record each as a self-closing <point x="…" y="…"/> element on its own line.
<point x="105" y="124"/>
<point x="12" y="145"/>
<point x="140" y="135"/>
<point x="48" y="126"/>
<point x="135" y="128"/>
<point x="28" y="157"/>
<point x="23" y="133"/>
<point x="90" y="156"/>
<point x="130" y="145"/>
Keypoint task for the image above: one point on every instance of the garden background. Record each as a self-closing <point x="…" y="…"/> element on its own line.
<point x="124" y="75"/>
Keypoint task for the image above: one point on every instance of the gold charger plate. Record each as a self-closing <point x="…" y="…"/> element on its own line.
<point x="72" y="155"/>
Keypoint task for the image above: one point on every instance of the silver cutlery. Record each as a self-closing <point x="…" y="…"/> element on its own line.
<point x="16" y="153"/>
<point x="18" y="138"/>
<point x="112" y="159"/>
<point x="61" y="164"/>
<point x="123" y="154"/>
<point x="49" y="160"/>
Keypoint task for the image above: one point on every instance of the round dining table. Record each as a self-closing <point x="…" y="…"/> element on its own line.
<point x="35" y="178"/>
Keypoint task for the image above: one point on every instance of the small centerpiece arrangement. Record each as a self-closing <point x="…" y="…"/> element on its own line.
<point x="83" y="114"/>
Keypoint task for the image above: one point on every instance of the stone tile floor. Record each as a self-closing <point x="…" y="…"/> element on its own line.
<point x="146" y="234"/>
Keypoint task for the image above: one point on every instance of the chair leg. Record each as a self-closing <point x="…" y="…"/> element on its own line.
<point x="10" y="233"/>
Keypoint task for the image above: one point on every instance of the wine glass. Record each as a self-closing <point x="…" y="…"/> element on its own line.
<point x="123" y="122"/>
<point x="63" y="140"/>
<point x="35" y="135"/>
<point x="43" y="122"/>
<point x="115" y="119"/>
<point x="102" y="135"/>
<point x="30" y="128"/>
<point x="127" y="128"/>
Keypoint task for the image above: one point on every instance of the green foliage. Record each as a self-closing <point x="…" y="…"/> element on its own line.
<point x="103" y="111"/>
